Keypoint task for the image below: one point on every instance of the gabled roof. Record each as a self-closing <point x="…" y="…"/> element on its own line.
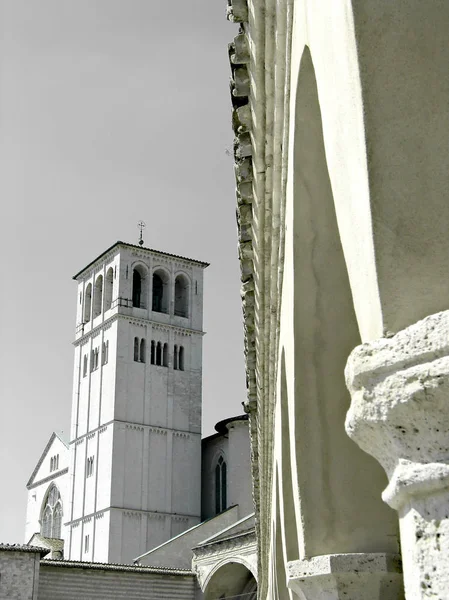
<point x="53" y="436"/>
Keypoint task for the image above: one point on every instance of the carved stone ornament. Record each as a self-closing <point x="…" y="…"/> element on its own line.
<point x="400" y="415"/>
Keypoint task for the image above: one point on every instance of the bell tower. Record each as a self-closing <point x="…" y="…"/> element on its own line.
<point x="135" y="441"/>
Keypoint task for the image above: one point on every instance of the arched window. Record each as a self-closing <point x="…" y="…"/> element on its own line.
<point x="139" y="287"/>
<point x="52" y="514"/>
<point x="181" y="358"/>
<point x="98" y="296"/>
<point x="153" y="352"/>
<point x="142" y="351"/>
<point x="160" y="292"/>
<point x="87" y="303"/>
<point x="165" y="355"/>
<point x="136" y="349"/>
<point x="220" y="486"/>
<point x="159" y="354"/>
<point x="57" y="519"/>
<point x="175" y="357"/>
<point x="181" y="296"/>
<point x="108" y="288"/>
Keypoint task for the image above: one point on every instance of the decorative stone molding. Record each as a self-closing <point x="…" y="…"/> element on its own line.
<point x="400" y="415"/>
<point x="347" y="577"/>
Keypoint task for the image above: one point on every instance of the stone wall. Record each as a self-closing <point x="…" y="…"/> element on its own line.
<point x="19" y="572"/>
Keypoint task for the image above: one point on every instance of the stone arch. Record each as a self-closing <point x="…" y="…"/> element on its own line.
<point x="139" y="285"/>
<point x="182" y="293"/>
<point x="98" y="296"/>
<point x="324" y="327"/>
<point x="160" y="290"/>
<point x="108" y="288"/>
<point x="231" y="579"/>
<point x="87" y="303"/>
<point x="51" y="513"/>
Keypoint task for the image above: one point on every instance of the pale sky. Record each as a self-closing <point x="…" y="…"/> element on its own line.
<point x="111" y="111"/>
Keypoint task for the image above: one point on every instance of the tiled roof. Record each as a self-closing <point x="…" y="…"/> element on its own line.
<point x="75" y="564"/>
<point x="119" y="243"/>
<point x="23" y="548"/>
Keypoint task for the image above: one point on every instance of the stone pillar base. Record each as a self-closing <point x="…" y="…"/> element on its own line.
<point x="347" y="577"/>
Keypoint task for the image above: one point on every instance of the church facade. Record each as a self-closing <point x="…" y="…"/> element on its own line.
<point x="134" y="490"/>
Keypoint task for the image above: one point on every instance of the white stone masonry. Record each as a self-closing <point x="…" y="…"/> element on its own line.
<point x="400" y="415"/>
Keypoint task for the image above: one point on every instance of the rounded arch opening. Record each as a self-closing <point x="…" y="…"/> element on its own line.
<point x="182" y="289"/>
<point x="139" y="297"/>
<point x="87" y="303"/>
<point x="98" y="296"/>
<point x="108" y="288"/>
<point x="160" y="300"/>
<point x="231" y="580"/>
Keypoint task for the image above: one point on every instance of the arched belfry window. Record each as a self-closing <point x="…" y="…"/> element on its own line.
<point x="87" y="303"/>
<point x="181" y="358"/>
<point x="220" y="485"/>
<point x="109" y="285"/>
<point x="159" y="354"/>
<point x="165" y="355"/>
<point x="52" y="514"/>
<point x="136" y="349"/>
<point x="142" y="350"/>
<point x="139" y="287"/>
<point x="160" y="292"/>
<point x="98" y="296"/>
<point x="181" y="296"/>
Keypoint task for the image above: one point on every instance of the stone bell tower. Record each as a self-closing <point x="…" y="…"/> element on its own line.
<point x="136" y="410"/>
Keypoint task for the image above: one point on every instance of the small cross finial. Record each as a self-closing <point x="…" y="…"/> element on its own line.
<point x="141" y="225"/>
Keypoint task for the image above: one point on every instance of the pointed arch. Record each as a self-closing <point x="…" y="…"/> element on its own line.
<point x="51" y="513"/>
<point x="87" y="303"/>
<point x="221" y="485"/>
<point x="182" y="289"/>
<point x="108" y="289"/>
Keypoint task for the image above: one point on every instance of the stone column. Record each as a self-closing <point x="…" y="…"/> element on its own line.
<point x="400" y="415"/>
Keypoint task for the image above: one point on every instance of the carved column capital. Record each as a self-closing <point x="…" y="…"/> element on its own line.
<point x="400" y="415"/>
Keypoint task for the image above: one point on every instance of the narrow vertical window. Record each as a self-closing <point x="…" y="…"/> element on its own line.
<point x="137" y="288"/>
<point x="85" y="365"/>
<point x="159" y="354"/>
<point x="220" y="486"/>
<point x="181" y="358"/>
<point x="175" y="357"/>
<point x="57" y="519"/>
<point x="86" y="544"/>
<point x="142" y="350"/>
<point x="51" y="464"/>
<point x="153" y="353"/>
<point x="105" y="353"/>
<point x="136" y="349"/>
<point x="165" y="355"/>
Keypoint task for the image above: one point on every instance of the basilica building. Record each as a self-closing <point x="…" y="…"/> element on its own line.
<point x="134" y="495"/>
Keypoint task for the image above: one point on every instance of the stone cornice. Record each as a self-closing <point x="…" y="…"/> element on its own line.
<point x="137" y="426"/>
<point x="261" y="169"/>
<point x="112" y="250"/>
<point x="131" y="511"/>
<point x="156" y="325"/>
<point x="49" y="478"/>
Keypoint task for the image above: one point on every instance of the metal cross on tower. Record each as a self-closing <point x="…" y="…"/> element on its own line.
<point x="141" y="225"/>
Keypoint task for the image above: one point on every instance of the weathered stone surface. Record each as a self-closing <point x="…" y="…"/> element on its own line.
<point x="237" y="11"/>
<point x="347" y="577"/>
<point x="400" y="415"/>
